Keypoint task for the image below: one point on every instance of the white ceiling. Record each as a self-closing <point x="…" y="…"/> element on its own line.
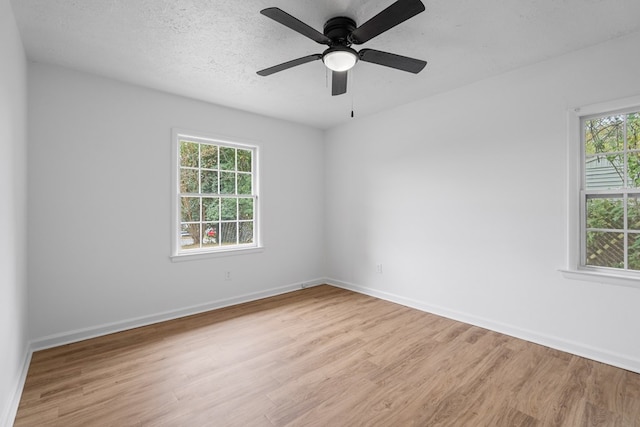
<point x="211" y="49"/>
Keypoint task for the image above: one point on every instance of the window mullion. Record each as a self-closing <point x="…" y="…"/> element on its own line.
<point x="583" y="228"/>
<point x="626" y="231"/>
<point x="199" y="169"/>
<point x="626" y="196"/>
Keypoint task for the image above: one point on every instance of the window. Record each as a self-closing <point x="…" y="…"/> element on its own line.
<point x="610" y="192"/>
<point x="215" y="196"/>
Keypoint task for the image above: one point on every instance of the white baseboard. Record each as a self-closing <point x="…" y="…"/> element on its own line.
<point x="8" y="417"/>
<point x="579" y="349"/>
<point x="56" y="340"/>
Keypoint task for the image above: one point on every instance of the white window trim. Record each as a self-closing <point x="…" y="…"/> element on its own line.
<point x="176" y="255"/>
<point x="575" y="159"/>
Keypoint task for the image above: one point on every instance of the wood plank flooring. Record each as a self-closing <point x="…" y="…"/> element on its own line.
<point x="321" y="357"/>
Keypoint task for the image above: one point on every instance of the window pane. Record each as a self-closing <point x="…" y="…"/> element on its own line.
<point x="634" y="251"/>
<point x="209" y="182"/>
<point x="604" y="172"/>
<point x="244" y="160"/>
<point x="633" y="177"/>
<point x="604" y="134"/>
<point x="210" y="209"/>
<point x="246" y="232"/>
<point x="245" y="208"/>
<point x="190" y="236"/>
<point x="227" y="158"/>
<point x="244" y="183"/>
<point x="229" y="209"/>
<point x="227" y="183"/>
<point x="633" y="131"/>
<point x="189" y="154"/>
<point x="210" y="235"/>
<point x="209" y="156"/>
<point x="190" y="207"/>
<point x="633" y="213"/>
<point x="228" y="233"/>
<point x="605" y="249"/>
<point x="188" y="180"/>
<point x="605" y="213"/>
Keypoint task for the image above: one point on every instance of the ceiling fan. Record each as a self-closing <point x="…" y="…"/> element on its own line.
<point x="340" y="33"/>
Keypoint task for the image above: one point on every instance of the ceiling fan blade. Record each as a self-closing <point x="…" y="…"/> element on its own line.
<point x="392" y="60"/>
<point x="338" y="82"/>
<point x="289" y="64"/>
<point x="395" y="14"/>
<point x="295" y="24"/>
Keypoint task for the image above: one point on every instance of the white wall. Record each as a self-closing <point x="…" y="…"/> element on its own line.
<point x="99" y="212"/>
<point x="13" y="210"/>
<point x="462" y="199"/>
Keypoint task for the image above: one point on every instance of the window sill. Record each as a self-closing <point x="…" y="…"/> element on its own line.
<point x="600" y="277"/>
<point x="222" y="253"/>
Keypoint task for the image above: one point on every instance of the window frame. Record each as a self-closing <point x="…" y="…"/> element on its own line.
<point x="576" y="206"/>
<point x="179" y="254"/>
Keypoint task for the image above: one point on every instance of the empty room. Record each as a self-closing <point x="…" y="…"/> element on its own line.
<point x="304" y="213"/>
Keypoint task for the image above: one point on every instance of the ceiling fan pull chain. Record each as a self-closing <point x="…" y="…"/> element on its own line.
<point x="352" y="91"/>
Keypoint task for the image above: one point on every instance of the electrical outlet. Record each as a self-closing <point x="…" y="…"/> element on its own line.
<point x="379" y="268"/>
<point x="227" y="275"/>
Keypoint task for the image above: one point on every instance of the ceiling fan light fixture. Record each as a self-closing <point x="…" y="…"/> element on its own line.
<point x="340" y="58"/>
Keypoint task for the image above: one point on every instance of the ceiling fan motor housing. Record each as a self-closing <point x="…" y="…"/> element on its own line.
<point x="338" y="30"/>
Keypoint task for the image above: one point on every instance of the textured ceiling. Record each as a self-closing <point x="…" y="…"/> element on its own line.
<point x="211" y="49"/>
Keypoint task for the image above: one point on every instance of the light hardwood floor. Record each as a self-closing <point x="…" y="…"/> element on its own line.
<point x="321" y="357"/>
